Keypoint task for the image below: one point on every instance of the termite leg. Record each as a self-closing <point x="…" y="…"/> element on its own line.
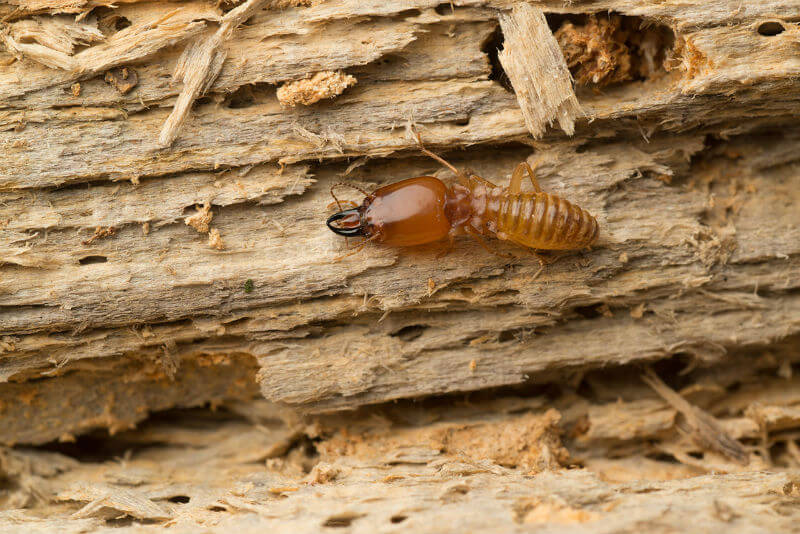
<point x="448" y="247"/>
<point x="532" y="175"/>
<point x="358" y="249"/>
<point x="544" y="261"/>
<point x="338" y="204"/>
<point x="516" y="178"/>
<point x="483" y="243"/>
<point x="436" y="157"/>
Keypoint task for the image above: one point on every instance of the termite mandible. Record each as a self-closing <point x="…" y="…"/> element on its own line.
<point x="424" y="210"/>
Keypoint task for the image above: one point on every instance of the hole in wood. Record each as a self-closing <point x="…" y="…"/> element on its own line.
<point x="491" y="47"/>
<point x="217" y="509"/>
<point x="341" y="520"/>
<point x="589" y="312"/>
<point x="398" y="518"/>
<point x="444" y="9"/>
<point x="506" y="335"/>
<point x="609" y="49"/>
<point x="89" y="260"/>
<point x="243" y="97"/>
<point x="121" y="23"/>
<point x="110" y="22"/>
<point x="408" y="13"/>
<point x="770" y="28"/>
<point x="410" y="333"/>
<point x="179" y="499"/>
<point x="96" y="447"/>
<point x="7" y="485"/>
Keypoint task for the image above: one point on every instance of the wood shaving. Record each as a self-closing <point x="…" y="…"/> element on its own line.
<point x="322" y="85"/>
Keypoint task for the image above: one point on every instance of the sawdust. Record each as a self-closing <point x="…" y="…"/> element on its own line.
<point x="610" y="49"/>
<point x="322" y="85"/>
<point x="552" y="510"/>
<point x="123" y="79"/>
<point x="100" y="233"/>
<point x="323" y="473"/>
<point x="215" y="239"/>
<point x="201" y="220"/>
<point x="638" y="311"/>
<point x="530" y="442"/>
<point x="687" y="57"/>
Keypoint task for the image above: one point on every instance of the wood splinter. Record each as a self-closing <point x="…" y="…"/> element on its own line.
<point x="199" y="66"/>
<point x="533" y="61"/>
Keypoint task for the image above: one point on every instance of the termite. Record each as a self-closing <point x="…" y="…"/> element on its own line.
<point x="424" y="210"/>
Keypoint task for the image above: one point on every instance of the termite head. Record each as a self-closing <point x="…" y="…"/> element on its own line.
<point x="405" y="213"/>
<point x="350" y="223"/>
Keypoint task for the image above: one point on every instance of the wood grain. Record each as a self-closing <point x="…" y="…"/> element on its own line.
<point x="137" y="278"/>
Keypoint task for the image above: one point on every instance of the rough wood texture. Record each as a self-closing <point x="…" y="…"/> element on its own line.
<point x="137" y="278"/>
<point x="533" y="61"/>
<point x="471" y="468"/>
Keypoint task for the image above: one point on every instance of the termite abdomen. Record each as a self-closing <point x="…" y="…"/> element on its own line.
<point x="543" y="221"/>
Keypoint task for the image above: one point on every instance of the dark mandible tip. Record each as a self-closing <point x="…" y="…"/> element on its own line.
<point x="347" y="232"/>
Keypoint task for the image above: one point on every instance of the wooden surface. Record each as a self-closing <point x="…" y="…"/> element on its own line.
<point x="139" y="275"/>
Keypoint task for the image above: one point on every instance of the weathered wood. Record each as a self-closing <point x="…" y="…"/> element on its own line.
<point x="452" y="462"/>
<point x="137" y="278"/>
<point x="533" y="61"/>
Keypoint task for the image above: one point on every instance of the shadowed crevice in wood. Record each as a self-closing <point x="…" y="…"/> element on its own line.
<point x="603" y="431"/>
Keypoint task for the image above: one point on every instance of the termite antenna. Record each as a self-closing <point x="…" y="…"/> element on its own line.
<point x="344" y="184"/>
<point x="430" y="154"/>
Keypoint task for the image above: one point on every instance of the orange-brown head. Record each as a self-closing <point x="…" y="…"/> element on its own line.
<point x="405" y="213"/>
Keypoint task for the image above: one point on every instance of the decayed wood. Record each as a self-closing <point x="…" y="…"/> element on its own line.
<point x="535" y="65"/>
<point x="702" y="426"/>
<point x="200" y="65"/>
<point x="137" y="278"/>
<point x="88" y="398"/>
<point x="312" y="90"/>
<point x="454" y="462"/>
<point x="55" y="39"/>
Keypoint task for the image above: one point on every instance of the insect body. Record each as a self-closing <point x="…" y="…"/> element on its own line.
<point x="424" y="210"/>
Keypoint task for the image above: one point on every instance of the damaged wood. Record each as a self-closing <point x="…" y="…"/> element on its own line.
<point x="703" y="427"/>
<point x="533" y="61"/>
<point x="199" y="66"/>
<point x="153" y="293"/>
<point x="259" y="471"/>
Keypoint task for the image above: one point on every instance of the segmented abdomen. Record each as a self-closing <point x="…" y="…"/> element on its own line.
<point x="544" y="221"/>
